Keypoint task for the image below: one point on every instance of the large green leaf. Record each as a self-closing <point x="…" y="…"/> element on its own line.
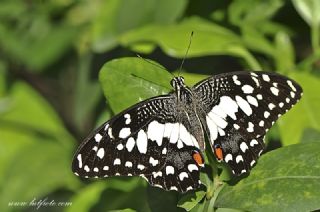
<point x="127" y="81"/>
<point x="287" y="179"/>
<point x="208" y="39"/>
<point x="303" y="115"/>
<point x="117" y="16"/>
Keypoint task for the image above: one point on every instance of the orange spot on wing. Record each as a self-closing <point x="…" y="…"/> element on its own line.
<point x="198" y="158"/>
<point x="218" y="153"/>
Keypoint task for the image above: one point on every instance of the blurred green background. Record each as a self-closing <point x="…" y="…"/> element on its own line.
<point x="51" y="53"/>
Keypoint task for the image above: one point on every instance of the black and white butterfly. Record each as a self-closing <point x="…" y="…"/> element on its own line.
<point x="163" y="138"/>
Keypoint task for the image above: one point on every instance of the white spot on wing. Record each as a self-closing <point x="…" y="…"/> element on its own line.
<point x="100" y="153"/>
<point x="80" y="160"/>
<point x="228" y="158"/>
<point x="266" y="114"/>
<point x="239" y="158"/>
<point x="120" y="147"/>
<point x="291" y="85"/>
<point x="261" y="123"/>
<point x="174" y="133"/>
<point x="169" y="170"/>
<point x="252" y="100"/>
<point x="98" y="137"/>
<point x="153" y="162"/>
<point x="185" y="136"/>
<point x="157" y="174"/>
<point x="253" y="142"/>
<point x="128" y="164"/>
<point x="155" y="132"/>
<point x="275" y="91"/>
<point x="227" y="105"/>
<point x="271" y="106"/>
<point x="142" y="142"/>
<point x="220" y="122"/>
<point x="124" y="132"/>
<point x="235" y="80"/>
<point x="128" y="118"/>
<point x="117" y="161"/>
<point x="265" y="77"/>
<point x="140" y="166"/>
<point x="164" y="151"/>
<point x="130" y="144"/>
<point x="259" y="96"/>
<point x="110" y="132"/>
<point x="192" y="167"/>
<point x="247" y="89"/>
<point x="183" y="175"/>
<point x="243" y="147"/>
<point x="213" y="129"/>
<point x="250" y="127"/>
<point x="86" y="168"/>
<point x="243" y="104"/>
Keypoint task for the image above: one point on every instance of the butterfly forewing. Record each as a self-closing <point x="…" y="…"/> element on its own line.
<point x="147" y="140"/>
<point x="239" y="108"/>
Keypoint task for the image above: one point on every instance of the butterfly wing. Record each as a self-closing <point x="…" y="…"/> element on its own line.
<point x="147" y="140"/>
<point x="239" y="108"/>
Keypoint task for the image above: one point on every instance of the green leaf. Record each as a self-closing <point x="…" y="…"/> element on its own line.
<point x="35" y="148"/>
<point x="87" y="197"/>
<point x="87" y="93"/>
<point x="286" y="179"/>
<point x="256" y="41"/>
<point x="29" y="111"/>
<point x="310" y="135"/>
<point x="111" y="194"/>
<point x="284" y="53"/>
<point x="208" y="39"/>
<point x="127" y="81"/>
<point x="160" y="200"/>
<point x="190" y="200"/>
<point x="36" y="169"/>
<point x="308" y="10"/>
<point x="252" y="12"/>
<point x="303" y="115"/>
<point x="116" y="17"/>
<point x="37" y="50"/>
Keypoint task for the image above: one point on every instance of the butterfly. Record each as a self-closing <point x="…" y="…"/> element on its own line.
<point x="162" y="139"/>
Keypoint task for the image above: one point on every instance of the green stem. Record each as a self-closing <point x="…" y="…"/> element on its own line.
<point x="315" y="37"/>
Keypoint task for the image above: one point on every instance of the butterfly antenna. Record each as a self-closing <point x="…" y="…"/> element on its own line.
<point x="155" y="64"/>
<point x="184" y="58"/>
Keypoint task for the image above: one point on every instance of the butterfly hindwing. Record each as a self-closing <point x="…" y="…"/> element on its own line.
<point x="239" y="109"/>
<point x="147" y="140"/>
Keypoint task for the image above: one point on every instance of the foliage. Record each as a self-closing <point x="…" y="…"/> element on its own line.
<point x="66" y="66"/>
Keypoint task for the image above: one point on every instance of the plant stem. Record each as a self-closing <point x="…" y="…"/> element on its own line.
<point x="315" y="37"/>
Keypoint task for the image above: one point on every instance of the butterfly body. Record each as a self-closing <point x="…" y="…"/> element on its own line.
<point x="163" y="138"/>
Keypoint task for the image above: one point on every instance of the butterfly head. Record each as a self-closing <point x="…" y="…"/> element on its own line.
<point x="177" y="83"/>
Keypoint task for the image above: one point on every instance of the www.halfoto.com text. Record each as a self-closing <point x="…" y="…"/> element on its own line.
<point x="38" y="203"/>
